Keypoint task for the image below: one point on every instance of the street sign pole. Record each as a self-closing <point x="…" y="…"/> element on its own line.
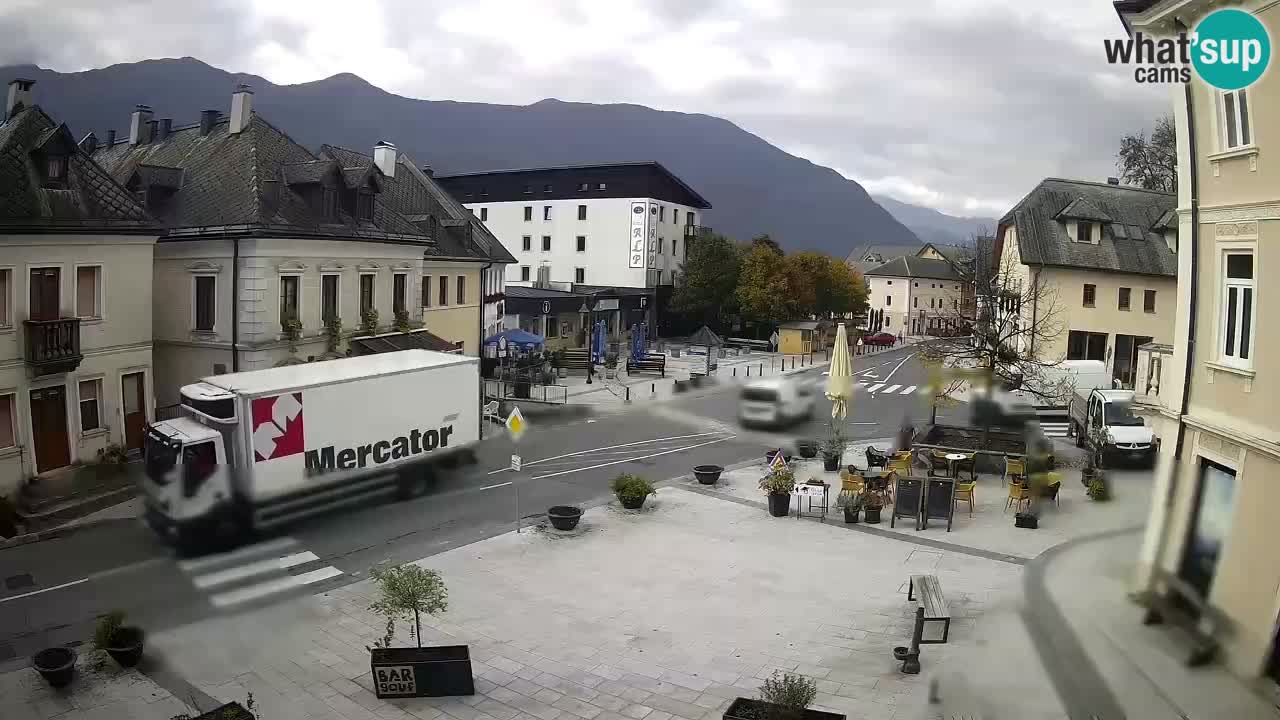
<point x="516" y="426"/>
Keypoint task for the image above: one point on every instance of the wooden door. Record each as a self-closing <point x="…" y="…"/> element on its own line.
<point x="45" y="290"/>
<point x="49" y="428"/>
<point x="133" y="396"/>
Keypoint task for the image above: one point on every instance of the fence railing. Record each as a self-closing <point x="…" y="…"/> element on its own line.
<point x="532" y="392"/>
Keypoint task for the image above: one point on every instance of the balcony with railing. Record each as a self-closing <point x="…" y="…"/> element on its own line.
<point x="693" y="232"/>
<point x="53" y="346"/>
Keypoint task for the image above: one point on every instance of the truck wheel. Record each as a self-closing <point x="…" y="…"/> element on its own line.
<point x="415" y="482"/>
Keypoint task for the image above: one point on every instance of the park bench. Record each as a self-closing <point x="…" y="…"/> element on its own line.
<point x="1176" y="602"/>
<point x="649" y="363"/>
<point x="936" y="614"/>
<point x="761" y="345"/>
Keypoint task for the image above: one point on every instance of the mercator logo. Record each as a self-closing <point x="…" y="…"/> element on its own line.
<point x="277" y="426"/>
<point x="1229" y="49"/>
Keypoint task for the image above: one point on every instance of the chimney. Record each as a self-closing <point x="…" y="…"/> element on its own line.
<point x="111" y="138"/>
<point x="139" y="125"/>
<point x="384" y="156"/>
<point x="89" y="143"/>
<point x="19" y="96"/>
<point x="166" y="126"/>
<point x="208" y="118"/>
<point x="1113" y="181"/>
<point x="241" y="108"/>
<point x="153" y="129"/>
<point x="428" y="171"/>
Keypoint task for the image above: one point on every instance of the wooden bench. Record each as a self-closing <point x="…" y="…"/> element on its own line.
<point x="649" y="363"/>
<point x="1175" y="601"/>
<point x="936" y="611"/>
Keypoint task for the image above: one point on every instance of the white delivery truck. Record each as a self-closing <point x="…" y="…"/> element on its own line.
<point x="260" y="448"/>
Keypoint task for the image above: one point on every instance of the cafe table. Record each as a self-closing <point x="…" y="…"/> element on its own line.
<point x="952" y="459"/>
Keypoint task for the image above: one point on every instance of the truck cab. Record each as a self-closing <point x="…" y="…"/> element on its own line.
<point x="1103" y="421"/>
<point x="187" y="476"/>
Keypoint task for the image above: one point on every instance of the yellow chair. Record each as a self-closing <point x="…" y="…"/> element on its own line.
<point x="1018" y="496"/>
<point x="1015" y="470"/>
<point x="901" y="465"/>
<point x="964" y="493"/>
<point x="850" y="485"/>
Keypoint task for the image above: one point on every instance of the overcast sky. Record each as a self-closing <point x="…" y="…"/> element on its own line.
<point x="961" y="105"/>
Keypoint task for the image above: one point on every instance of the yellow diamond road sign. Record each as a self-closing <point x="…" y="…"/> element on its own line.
<point x="516" y="424"/>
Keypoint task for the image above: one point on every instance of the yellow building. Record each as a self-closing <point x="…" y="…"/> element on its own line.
<point x="800" y="337"/>
<point x="1213" y="522"/>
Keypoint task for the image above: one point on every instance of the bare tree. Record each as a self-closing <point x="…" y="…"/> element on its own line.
<point x="1150" y="162"/>
<point x="1005" y="321"/>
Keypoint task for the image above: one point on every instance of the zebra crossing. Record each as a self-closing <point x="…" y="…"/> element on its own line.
<point x="256" y="572"/>
<point x="886" y="389"/>
<point x="1054" y="429"/>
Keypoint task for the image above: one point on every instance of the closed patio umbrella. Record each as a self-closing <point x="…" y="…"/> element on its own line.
<point x="840" y="375"/>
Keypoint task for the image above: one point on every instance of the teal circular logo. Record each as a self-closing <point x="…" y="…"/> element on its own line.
<point x="1230" y="49"/>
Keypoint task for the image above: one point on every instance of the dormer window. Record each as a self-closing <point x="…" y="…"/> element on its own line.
<point x="1084" y="231"/>
<point x="364" y="206"/>
<point x="329" y="204"/>
<point x="55" y="171"/>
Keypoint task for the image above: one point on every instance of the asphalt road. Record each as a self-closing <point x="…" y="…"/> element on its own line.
<point x="54" y="590"/>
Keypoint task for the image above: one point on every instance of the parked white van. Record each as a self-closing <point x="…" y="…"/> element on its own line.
<point x="776" y="401"/>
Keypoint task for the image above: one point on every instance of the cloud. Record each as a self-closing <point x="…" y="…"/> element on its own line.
<point x="961" y="105"/>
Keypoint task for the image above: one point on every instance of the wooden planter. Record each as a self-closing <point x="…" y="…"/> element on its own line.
<point x="748" y="709"/>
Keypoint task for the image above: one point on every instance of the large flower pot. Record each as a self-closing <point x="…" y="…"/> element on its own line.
<point x="126" y="646"/>
<point x="632" y="502"/>
<point x="830" y="462"/>
<point x="807" y="448"/>
<point x="750" y="709"/>
<point x="872" y="515"/>
<point x="779" y="505"/>
<point x="56" y="665"/>
<point x="707" y="474"/>
<point x="851" y="516"/>
<point x="564" y="517"/>
<point x="438" y="671"/>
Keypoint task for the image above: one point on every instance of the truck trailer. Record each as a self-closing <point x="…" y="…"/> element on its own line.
<point x="256" y="449"/>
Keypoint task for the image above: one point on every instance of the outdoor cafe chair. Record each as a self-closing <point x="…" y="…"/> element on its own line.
<point x="964" y="493"/>
<point x="938" y="464"/>
<point x="1018" y="496"/>
<point x="875" y="458"/>
<point x="1015" y="470"/>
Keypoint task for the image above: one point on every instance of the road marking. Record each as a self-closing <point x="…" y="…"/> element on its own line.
<point x="642" y="457"/>
<point x="875" y="387"/>
<point x="271" y="587"/>
<point x="44" y="590"/>
<point x="198" y="564"/>
<point x="908" y="390"/>
<point x="899" y="365"/>
<point x="607" y="447"/>
<point x="491" y="487"/>
<point x="240" y="572"/>
<point x="892" y="388"/>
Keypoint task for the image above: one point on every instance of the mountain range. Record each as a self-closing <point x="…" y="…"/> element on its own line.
<point x="753" y="186"/>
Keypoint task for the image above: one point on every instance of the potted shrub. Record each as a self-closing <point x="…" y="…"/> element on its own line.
<point x="564" y="517"/>
<point x="632" y="490"/>
<point x="406" y="592"/>
<point x="611" y="365"/>
<point x="707" y="474"/>
<point x="783" y="696"/>
<point x="808" y="448"/>
<point x="402" y="323"/>
<point x="57" y="665"/>
<point x="1097" y="489"/>
<point x="111" y="461"/>
<point x="333" y="334"/>
<point x="778" y="484"/>
<point x="122" y="642"/>
<point x="369" y="321"/>
<point x="852" y="506"/>
<point x="872" y="503"/>
<point x="291" y="330"/>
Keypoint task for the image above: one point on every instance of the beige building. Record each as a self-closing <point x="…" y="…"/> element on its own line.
<point x="1103" y="260"/>
<point x="75" y="300"/>
<point x="272" y="254"/>
<point x="1214" y="525"/>
<point x="915" y="294"/>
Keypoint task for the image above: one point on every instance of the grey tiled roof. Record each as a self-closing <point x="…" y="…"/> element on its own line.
<point x="91" y="200"/>
<point x="1128" y="243"/>
<point x="165" y="177"/>
<point x="880" y="253"/>
<point x="236" y="184"/>
<point x="916" y="267"/>
<point x="311" y="171"/>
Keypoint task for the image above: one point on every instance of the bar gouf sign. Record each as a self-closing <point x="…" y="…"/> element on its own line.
<point x="637" y="238"/>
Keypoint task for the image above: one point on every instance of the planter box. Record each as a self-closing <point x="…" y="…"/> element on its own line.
<point x="421" y="672"/>
<point x="748" y="709"/>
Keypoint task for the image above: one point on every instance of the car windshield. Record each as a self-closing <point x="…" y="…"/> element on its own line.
<point x="1119" y="413"/>
<point x="760" y="394"/>
<point x="161" y="455"/>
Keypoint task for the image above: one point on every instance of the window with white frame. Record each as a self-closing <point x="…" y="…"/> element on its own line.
<point x="8" y="421"/>
<point x="89" y="291"/>
<point x="1236" y="324"/>
<point x="399" y="293"/>
<point x="329" y="284"/>
<point x="289" y="295"/>
<point x="204" y="289"/>
<point x="366" y="292"/>
<point x="1234" y="127"/>
<point x="90" y="405"/>
<point x="580" y="275"/>
<point x="524" y="273"/>
<point x="6" y="297"/>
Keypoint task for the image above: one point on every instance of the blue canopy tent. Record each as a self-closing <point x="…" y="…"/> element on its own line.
<point x="516" y="338"/>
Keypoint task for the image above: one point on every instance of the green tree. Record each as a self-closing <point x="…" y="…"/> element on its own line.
<point x="768" y="242"/>
<point x="408" y="591"/>
<point x="841" y="290"/>
<point x="809" y="276"/>
<point x="764" y="286"/>
<point x="706" y="286"/>
<point x="1150" y="162"/>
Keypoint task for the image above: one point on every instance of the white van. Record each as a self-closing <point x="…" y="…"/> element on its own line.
<point x="776" y="401"/>
<point x="1050" y="392"/>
